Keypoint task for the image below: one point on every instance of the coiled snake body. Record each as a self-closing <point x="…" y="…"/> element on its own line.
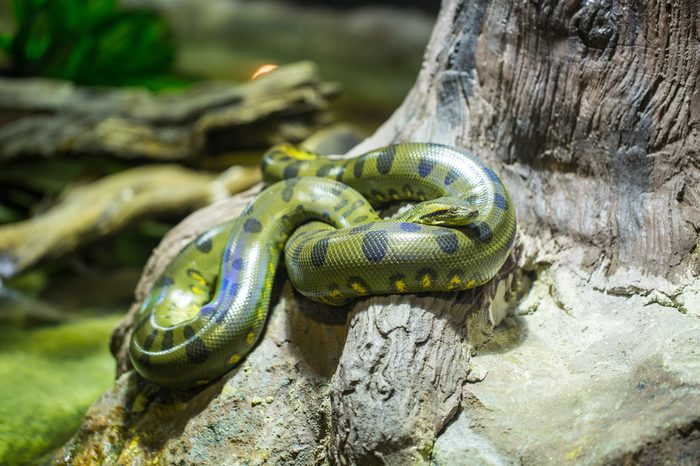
<point x="209" y="307"/>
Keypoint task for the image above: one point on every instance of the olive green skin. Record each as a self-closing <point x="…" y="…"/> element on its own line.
<point x="209" y="307"/>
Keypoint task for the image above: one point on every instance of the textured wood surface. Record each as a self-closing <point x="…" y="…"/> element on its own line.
<point x="593" y="110"/>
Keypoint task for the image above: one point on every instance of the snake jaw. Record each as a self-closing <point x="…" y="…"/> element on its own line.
<point x="445" y="211"/>
<point x="455" y="216"/>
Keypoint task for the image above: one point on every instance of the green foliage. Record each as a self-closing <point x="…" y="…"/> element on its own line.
<point x="90" y="42"/>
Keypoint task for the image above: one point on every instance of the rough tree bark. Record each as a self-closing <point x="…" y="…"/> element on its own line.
<point x="583" y="350"/>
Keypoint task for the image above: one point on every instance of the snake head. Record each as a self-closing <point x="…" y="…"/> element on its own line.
<point x="443" y="211"/>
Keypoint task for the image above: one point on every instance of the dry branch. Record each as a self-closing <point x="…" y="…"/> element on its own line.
<point x="48" y="117"/>
<point x="111" y="204"/>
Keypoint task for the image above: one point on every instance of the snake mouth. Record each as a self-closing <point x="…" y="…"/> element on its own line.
<point x="449" y="216"/>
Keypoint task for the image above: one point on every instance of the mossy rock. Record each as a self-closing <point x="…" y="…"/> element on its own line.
<point x="50" y="376"/>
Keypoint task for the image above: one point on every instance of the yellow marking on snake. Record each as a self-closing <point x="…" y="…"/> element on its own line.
<point x="455" y="282"/>
<point x="299" y="154"/>
<point x="359" y="289"/>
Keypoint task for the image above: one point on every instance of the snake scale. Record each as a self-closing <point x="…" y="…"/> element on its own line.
<point x="208" y="308"/>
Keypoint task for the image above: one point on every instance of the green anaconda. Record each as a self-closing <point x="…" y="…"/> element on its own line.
<point x="209" y="306"/>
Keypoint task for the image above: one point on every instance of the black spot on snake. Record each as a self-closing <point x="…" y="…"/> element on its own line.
<point x="360" y="228"/>
<point x="318" y="252"/>
<point x="203" y="243"/>
<point x="355" y="205"/>
<point x="188" y="332"/>
<point x="446" y="240"/>
<point x="393" y="194"/>
<point x="491" y="174"/>
<point x="237" y="263"/>
<point x="339" y="189"/>
<point x="450" y="178"/>
<point x="386" y="160"/>
<point x="167" y="340"/>
<point x="479" y="231"/>
<point x="340" y="205"/>
<point x="359" y="165"/>
<point x="324" y="170"/>
<point x="406" y="226"/>
<point x="360" y="219"/>
<point x="286" y="221"/>
<point x="252" y="226"/>
<point x="341" y="172"/>
<point x="500" y="201"/>
<point x="375" y="244"/>
<point x="197" y="351"/>
<point x="148" y="342"/>
<point x="425" y="166"/>
<point x="288" y="190"/>
<point x="292" y="170"/>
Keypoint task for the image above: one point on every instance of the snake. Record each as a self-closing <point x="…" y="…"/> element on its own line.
<point x="317" y="216"/>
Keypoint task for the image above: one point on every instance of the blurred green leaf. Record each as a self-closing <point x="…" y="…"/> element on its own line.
<point x="5" y="42"/>
<point x="91" y="42"/>
<point x="8" y="215"/>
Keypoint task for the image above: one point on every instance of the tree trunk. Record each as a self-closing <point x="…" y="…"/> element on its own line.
<point x="583" y="350"/>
